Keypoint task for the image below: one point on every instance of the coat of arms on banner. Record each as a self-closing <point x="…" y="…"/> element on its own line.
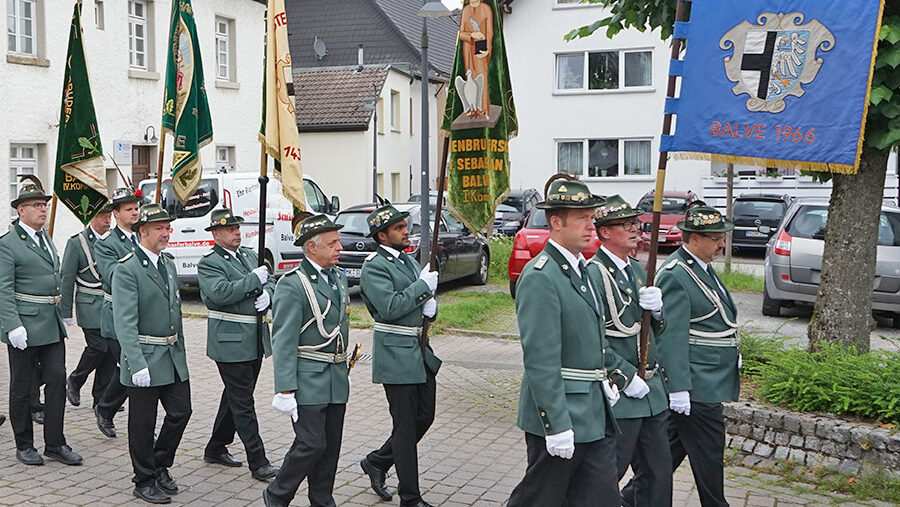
<point x="774" y="58"/>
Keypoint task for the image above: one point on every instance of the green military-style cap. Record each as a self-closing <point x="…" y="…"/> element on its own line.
<point x="151" y="213"/>
<point x="313" y="225"/>
<point x="223" y="217"/>
<point x="124" y="195"/>
<point x="614" y="208"/>
<point x="705" y="219"/>
<point x="569" y="194"/>
<point x="384" y="217"/>
<point x="30" y="192"/>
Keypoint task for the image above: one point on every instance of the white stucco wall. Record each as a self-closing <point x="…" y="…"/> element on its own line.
<point x="126" y="106"/>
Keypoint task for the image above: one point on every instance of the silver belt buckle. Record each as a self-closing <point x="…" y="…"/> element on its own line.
<point x="648" y="374"/>
<point x="56" y="299"/>
<point x="340" y="358"/>
<point x="171" y="340"/>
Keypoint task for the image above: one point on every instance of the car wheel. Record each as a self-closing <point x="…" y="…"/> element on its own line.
<point x="512" y="289"/>
<point x="770" y="307"/>
<point x="480" y="277"/>
<point x="896" y="321"/>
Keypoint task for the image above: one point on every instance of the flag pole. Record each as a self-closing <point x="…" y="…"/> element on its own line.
<point x="263" y="183"/>
<point x="644" y="342"/>
<point x="442" y="181"/>
<point x="162" y="131"/>
<point x="52" y="216"/>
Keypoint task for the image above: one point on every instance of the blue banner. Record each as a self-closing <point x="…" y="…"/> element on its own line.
<point x="776" y="83"/>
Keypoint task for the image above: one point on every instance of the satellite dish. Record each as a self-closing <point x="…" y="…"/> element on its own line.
<point x="319" y="48"/>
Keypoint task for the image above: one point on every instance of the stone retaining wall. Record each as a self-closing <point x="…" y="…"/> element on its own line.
<point x="766" y="435"/>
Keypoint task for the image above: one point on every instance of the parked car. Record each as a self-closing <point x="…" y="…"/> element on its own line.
<point x="512" y="212"/>
<point x="751" y="211"/>
<point x="529" y="242"/>
<point x="793" y="267"/>
<point x="674" y="204"/>
<point x="461" y="253"/>
<point x="432" y="198"/>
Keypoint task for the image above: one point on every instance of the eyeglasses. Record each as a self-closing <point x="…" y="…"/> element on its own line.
<point x="36" y="205"/>
<point x="627" y="225"/>
<point x="717" y="239"/>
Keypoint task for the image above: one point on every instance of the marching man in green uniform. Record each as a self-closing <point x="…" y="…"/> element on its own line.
<point x="234" y="289"/>
<point x="310" y="331"/>
<point x="643" y="439"/>
<point x="31" y="325"/>
<point x="82" y="288"/>
<point x="120" y="242"/>
<point x="147" y="317"/>
<point x="698" y="349"/>
<point x="398" y="293"/>
<point x="566" y="394"/>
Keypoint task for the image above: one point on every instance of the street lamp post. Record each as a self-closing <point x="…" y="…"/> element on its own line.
<point x="430" y="9"/>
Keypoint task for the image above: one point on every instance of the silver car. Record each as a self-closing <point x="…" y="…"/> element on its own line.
<point x="793" y="265"/>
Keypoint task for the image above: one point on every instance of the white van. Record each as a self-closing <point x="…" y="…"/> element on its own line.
<point x="240" y="192"/>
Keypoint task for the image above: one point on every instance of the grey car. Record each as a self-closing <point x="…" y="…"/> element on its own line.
<point x="793" y="267"/>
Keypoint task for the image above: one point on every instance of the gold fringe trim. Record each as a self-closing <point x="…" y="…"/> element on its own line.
<point x="862" y="128"/>
<point x="767" y="162"/>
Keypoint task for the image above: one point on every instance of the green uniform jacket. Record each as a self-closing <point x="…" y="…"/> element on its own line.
<point x="314" y="382"/>
<point x="228" y="285"/>
<point x="560" y="328"/>
<point x="25" y="268"/>
<point x="110" y="249"/>
<point x="146" y="306"/>
<point x="394" y="294"/>
<point x="77" y="275"/>
<point x="622" y="297"/>
<point x="709" y="373"/>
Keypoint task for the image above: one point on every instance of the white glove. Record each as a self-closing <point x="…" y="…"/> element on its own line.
<point x="141" y="378"/>
<point x="262" y="302"/>
<point x="561" y="444"/>
<point x="286" y="404"/>
<point x="650" y="298"/>
<point x="637" y="388"/>
<point x="612" y="392"/>
<point x="69" y="321"/>
<point x="740" y="361"/>
<point x="430" y="308"/>
<point x="430" y="277"/>
<point x="680" y="402"/>
<point x="262" y="273"/>
<point x="18" y="338"/>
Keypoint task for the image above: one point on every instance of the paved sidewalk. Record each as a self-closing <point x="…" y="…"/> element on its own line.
<point x="473" y="455"/>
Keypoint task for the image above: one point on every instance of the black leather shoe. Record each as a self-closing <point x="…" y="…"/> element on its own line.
<point x="166" y="482"/>
<point x="29" y="456"/>
<point x="224" y="458"/>
<point x="105" y="425"/>
<point x="420" y="503"/>
<point x="265" y="472"/>
<point x="152" y="494"/>
<point x="376" y="477"/>
<point x="64" y="454"/>
<point x="121" y="408"/>
<point x="37" y="416"/>
<point x="271" y="502"/>
<point x="2" y="419"/>
<point x="73" y="394"/>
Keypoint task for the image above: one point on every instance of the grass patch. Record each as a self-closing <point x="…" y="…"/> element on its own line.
<point x="479" y="311"/>
<point x="359" y="316"/>
<point x="867" y="485"/>
<point x="501" y="247"/>
<point x="738" y="281"/>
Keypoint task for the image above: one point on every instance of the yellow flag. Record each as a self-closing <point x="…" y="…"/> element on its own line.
<point x="279" y="123"/>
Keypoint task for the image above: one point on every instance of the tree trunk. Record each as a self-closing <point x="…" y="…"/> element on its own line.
<point x="843" y="311"/>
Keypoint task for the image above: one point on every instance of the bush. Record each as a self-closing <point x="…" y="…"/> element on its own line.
<point x="501" y="247"/>
<point x="758" y="351"/>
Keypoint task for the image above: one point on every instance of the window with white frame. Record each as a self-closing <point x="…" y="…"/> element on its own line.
<point x="604" y="158"/>
<point x="137" y="34"/>
<point x="23" y="159"/>
<point x="21" y="23"/>
<point x="98" y="14"/>
<point x="225" y="158"/>
<point x="224" y="38"/>
<point x="604" y="70"/>
<point x="395" y="110"/>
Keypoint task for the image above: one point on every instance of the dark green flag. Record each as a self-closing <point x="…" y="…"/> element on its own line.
<point x="479" y="117"/>
<point x="185" y="108"/>
<point x="80" y="178"/>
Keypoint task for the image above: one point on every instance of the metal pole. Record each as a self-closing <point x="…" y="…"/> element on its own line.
<point x="729" y="207"/>
<point x="375" y="154"/>
<point x="425" y="236"/>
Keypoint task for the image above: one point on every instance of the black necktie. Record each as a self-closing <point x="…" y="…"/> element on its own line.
<point x="587" y="282"/>
<point x="161" y="267"/>
<point x="712" y="274"/>
<point x="630" y="274"/>
<point x="42" y="243"/>
<point x="134" y="240"/>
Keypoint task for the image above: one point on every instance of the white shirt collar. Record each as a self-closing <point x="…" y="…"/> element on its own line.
<point x="318" y="268"/>
<point x="94" y="231"/>
<point x="573" y="260"/>
<point x="615" y="258"/>
<point x="31" y="232"/>
<point x="391" y="251"/>
<point x="154" y="258"/>
<point x="703" y="265"/>
<point x="128" y="234"/>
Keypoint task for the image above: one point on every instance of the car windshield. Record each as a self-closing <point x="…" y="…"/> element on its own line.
<point x="514" y="202"/>
<point x="354" y="223"/>
<point x="810" y="222"/>
<point x="537" y="220"/>
<point x="669" y="204"/>
<point x="772" y="210"/>
<point x="503" y="208"/>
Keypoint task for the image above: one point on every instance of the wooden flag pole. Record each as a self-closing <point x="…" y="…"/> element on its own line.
<point x="644" y="342"/>
<point x="159" y="166"/>
<point x="52" y="215"/>
<point x="263" y="184"/>
<point x="439" y="206"/>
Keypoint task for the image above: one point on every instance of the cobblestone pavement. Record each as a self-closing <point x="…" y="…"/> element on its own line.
<point x="473" y="455"/>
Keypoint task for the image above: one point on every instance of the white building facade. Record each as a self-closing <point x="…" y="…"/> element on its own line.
<point x="125" y="49"/>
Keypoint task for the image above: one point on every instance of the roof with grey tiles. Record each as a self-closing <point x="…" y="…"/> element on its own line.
<point x="334" y="99"/>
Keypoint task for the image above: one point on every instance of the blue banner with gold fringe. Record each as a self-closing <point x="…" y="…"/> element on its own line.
<point x="775" y="83"/>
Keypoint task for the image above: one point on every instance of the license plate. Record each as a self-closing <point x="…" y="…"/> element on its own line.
<point x="755" y="234"/>
<point x="353" y="272"/>
<point x="661" y="239"/>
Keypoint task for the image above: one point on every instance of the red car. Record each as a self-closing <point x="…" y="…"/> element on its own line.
<point x="530" y="240"/>
<point x="673" y="207"/>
